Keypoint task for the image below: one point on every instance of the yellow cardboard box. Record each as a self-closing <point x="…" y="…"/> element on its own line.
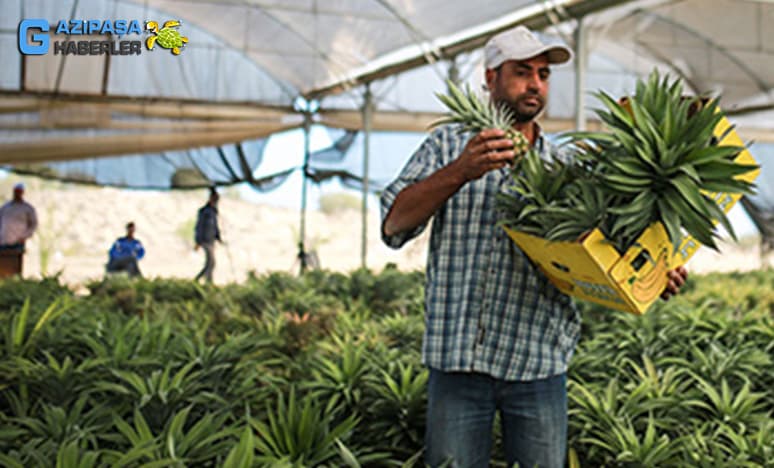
<point x="593" y="270"/>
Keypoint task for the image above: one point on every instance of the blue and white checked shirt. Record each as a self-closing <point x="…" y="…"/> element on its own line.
<point x="488" y="309"/>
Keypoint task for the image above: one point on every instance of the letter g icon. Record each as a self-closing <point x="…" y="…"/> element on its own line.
<point x="39" y="43"/>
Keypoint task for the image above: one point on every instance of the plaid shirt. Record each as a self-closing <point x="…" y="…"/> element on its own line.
<point x="488" y="309"/>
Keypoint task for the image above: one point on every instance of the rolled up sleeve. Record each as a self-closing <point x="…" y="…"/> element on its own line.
<point x="423" y="163"/>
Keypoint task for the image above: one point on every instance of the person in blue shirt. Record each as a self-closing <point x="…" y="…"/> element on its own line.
<point x="125" y="253"/>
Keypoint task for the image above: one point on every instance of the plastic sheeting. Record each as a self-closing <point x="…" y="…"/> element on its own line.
<point x="247" y="63"/>
<point x="269" y="53"/>
<point x="188" y="169"/>
<point x="389" y="151"/>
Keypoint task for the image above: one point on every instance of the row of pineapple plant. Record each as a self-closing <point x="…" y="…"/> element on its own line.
<point x="657" y="161"/>
<point x="324" y="370"/>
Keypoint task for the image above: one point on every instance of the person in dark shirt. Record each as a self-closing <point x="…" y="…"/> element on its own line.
<point x="125" y="253"/>
<point x="207" y="232"/>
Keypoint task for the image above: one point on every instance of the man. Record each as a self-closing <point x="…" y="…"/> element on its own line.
<point x="498" y="335"/>
<point x="18" y="220"/>
<point x="125" y="253"/>
<point x="207" y="232"/>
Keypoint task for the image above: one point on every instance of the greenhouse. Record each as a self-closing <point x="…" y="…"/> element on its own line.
<point x="253" y="69"/>
<point x="163" y="97"/>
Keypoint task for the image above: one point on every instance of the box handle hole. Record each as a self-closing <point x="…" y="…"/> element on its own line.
<point x="641" y="259"/>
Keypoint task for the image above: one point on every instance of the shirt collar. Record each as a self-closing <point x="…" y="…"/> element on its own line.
<point x="539" y="141"/>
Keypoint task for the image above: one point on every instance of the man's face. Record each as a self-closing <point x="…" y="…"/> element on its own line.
<point x="521" y="86"/>
<point x="130" y="231"/>
<point x="18" y="194"/>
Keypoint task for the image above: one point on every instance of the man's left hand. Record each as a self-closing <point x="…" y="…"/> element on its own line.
<point x="677" y="279"/>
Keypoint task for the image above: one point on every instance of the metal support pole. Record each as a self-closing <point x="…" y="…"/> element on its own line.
<point x="580" y="75"/>
<point x="367" y="116"/>
<point x="454" y="71"/>
<point x="304" y="169"/>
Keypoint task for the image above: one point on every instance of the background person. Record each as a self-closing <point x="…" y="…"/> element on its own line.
<point x="18" y="220"/>
<point x="207" y="232"/>
<point x="125" y="253"/>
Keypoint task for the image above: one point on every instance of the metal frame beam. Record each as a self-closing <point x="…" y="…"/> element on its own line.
<point x="35" y="101"/>
<point x="581" y="62"/>
<point x="533" y="16"/>
<point x="63" y="149"/>
<point x="368" y="110"/>
<point x="302" y="254"/>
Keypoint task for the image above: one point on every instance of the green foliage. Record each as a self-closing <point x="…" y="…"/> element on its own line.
<point x="553" y="199"/>
<point x="324" y="370"/>
<point x="299" y="433"/>
<point x="668" y="388"/>
<point x="659" y="161"/>
<point x="15" y="291"/>
<point x="339" y="375"/>
<point x="389" y="290"/>
<point x="397" y="415"/>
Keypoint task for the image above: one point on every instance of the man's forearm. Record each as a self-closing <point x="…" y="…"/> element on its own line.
<point x="416" y="203"/>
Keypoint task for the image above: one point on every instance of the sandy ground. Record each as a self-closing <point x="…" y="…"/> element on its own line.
<point x="78" y="225"/>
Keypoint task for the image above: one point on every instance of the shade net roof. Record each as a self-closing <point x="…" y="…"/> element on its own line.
<point x="250" y="67"/>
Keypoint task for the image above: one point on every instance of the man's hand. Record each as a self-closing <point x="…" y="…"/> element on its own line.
<point x="196" y="247"/>
<point x="677" y="279"/>
<point x="484" y="152"/>
<point x="416" y="203"/>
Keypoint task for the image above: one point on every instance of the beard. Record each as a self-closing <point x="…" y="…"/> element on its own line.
<point x="522" y="111"/>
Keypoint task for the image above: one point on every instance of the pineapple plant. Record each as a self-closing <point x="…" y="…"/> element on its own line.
<point x="466" y="109"/>
<point x="659" y="161"/>
<point x="552" y="199"/>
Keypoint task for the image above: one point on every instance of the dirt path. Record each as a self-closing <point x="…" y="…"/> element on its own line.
<point x="78" y="225"/>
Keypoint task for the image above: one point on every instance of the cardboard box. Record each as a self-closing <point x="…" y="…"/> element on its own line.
<point x="594" y="271"/>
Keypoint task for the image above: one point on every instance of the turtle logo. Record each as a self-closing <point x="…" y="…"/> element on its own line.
<point x="167" y="37"/>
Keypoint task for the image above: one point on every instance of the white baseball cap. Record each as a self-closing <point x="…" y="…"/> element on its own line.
<point x="19" y="186"/>
<point x="520" y="43"/>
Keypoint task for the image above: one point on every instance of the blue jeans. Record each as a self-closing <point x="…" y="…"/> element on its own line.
<point x="461" y="409"/>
